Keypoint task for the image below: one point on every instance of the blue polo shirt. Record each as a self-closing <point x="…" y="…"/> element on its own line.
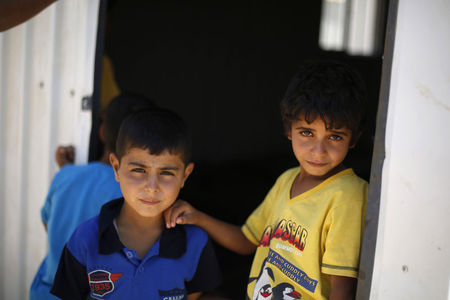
<point x="94" y="262"/>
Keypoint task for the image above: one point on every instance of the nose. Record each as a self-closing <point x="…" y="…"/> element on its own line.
<point x="152" y="182"/>
<point x="319" y="147"/>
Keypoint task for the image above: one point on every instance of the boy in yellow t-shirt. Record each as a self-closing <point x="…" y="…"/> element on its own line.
<point x="307" y="232"/>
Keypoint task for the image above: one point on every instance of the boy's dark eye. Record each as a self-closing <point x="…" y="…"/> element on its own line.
<point x="167" y="173"/>
<point x="335" y="137"/>
<point x="306" y="133"/>
<point x="138" y="170"/>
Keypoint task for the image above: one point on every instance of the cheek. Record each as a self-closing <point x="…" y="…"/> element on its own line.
<point x="171" y="187"/>
<point x="339" y="152"/>
<point x="299" y="146"/>
<point x="128" y="182"/>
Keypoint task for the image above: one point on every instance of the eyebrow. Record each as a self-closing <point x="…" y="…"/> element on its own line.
<point x="170" y="168"/>
<point x="339" y="132"/>
<point x="332" y="131"/>
<point x="134" y="163"/>
<point x="166" y="168"/>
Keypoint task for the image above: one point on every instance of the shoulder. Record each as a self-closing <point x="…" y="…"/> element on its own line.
<point x="287" y="177"/>
<point x="195" y="235"/>
<point x="70" y="171"/>
<point x="84" y="236"/>
<point x="92" y="181"/>
<point x="96" y="167"/>
<point x="67" y="172"/>
<point x="350" y="181"/>
<point x="347" y="187"/>
<point x="197" y="240"/>
<point x="283" y="182"/>
<point x="288" y="174"/>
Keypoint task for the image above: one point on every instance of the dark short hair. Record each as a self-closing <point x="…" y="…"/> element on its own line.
<point x="155" y="130"/>
<point x="117" y="110"/>
<point x="327" y="89"/>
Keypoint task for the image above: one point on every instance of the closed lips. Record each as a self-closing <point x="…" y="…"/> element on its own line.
<point x="150" y="201"/>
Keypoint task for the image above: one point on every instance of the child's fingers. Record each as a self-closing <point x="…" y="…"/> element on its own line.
<point x="167" y="214"/>
<point x="172" y="215"/>
<point x="176" y="213"/>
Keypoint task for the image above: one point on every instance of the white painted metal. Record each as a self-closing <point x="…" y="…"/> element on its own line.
<point x="412" y="259"/>
<point x="363" y="27"/>
<point x="350" y="26"/>
<point x="46" y="67"/>
<point x="333" y="25"/>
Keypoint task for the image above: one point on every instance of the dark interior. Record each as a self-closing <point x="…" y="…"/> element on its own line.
<point x="224" y="66"/>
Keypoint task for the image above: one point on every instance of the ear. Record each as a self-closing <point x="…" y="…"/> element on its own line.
<point x="187" y="171"/>
<point x="114" y="161"/>
<point x="288" y="133"/>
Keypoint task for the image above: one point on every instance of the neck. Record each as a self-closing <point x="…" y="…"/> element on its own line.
<point x="128" y="218"/>
<point x="138" y="232"/>
<point x="306" y="176"/>
<point x="304" y="181"/>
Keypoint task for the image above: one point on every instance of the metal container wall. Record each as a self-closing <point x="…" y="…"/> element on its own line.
<point x="412" y="256"/>
<point x="47" y="67"/>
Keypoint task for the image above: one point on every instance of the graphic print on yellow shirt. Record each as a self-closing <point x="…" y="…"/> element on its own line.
<point x="303" y="240"/>
<point x="287" y="231"/>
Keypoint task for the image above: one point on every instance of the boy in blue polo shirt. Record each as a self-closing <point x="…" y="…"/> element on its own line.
<point x="126" y="252"/>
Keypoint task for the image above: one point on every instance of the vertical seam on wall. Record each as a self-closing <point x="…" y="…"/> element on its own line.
<point x="25" y="157"/>
<point x="3" y="39"/>
<point x="373" y="204"/>
<point x="55" y="89"/>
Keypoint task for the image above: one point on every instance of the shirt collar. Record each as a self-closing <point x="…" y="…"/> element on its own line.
<point x="172" y="241"/>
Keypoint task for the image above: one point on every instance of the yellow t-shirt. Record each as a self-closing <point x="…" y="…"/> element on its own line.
<point x="109" y="87"/>
<point x="303" y="240"/>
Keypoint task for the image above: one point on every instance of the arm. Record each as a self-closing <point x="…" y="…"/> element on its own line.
<point x="342" y="288"/>
<point x="15" y="12"/>
<point x="228" y="235"/>
<point x="194" y="296"/>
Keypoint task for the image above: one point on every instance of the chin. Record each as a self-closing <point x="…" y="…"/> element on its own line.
<point x="147" y="214"/>
<point x="316" y="172"/>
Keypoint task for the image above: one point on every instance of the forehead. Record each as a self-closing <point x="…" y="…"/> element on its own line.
<point x="318" y="124"/>
<point x="144" y="157"/>
<point x="335" y="121"/>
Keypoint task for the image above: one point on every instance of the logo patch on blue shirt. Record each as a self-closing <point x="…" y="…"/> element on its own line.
<point x="102" y="282"/>
<point x="175" y="294"/>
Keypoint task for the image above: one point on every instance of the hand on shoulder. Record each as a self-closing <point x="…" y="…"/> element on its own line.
<point x="181" y="212"/>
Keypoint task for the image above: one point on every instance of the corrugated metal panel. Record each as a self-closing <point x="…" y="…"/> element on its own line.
<point x="46" y="68"/>
<point x="351" y="26"/>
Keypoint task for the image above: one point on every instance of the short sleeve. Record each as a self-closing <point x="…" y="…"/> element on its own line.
<point x="47" y="208"/>
<point x="343" y="239"/>
<point x="207" y="275"/>
<point x="71" y="281"/>
<point x="256" y="222"/>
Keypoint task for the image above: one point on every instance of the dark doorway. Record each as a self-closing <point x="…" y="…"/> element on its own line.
<point x="224" y="66"/>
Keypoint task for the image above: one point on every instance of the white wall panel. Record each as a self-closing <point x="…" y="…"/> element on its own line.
<point x="412" y="258"/>
<point x="13" y="85"/>
<point x="46" y="67"/>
